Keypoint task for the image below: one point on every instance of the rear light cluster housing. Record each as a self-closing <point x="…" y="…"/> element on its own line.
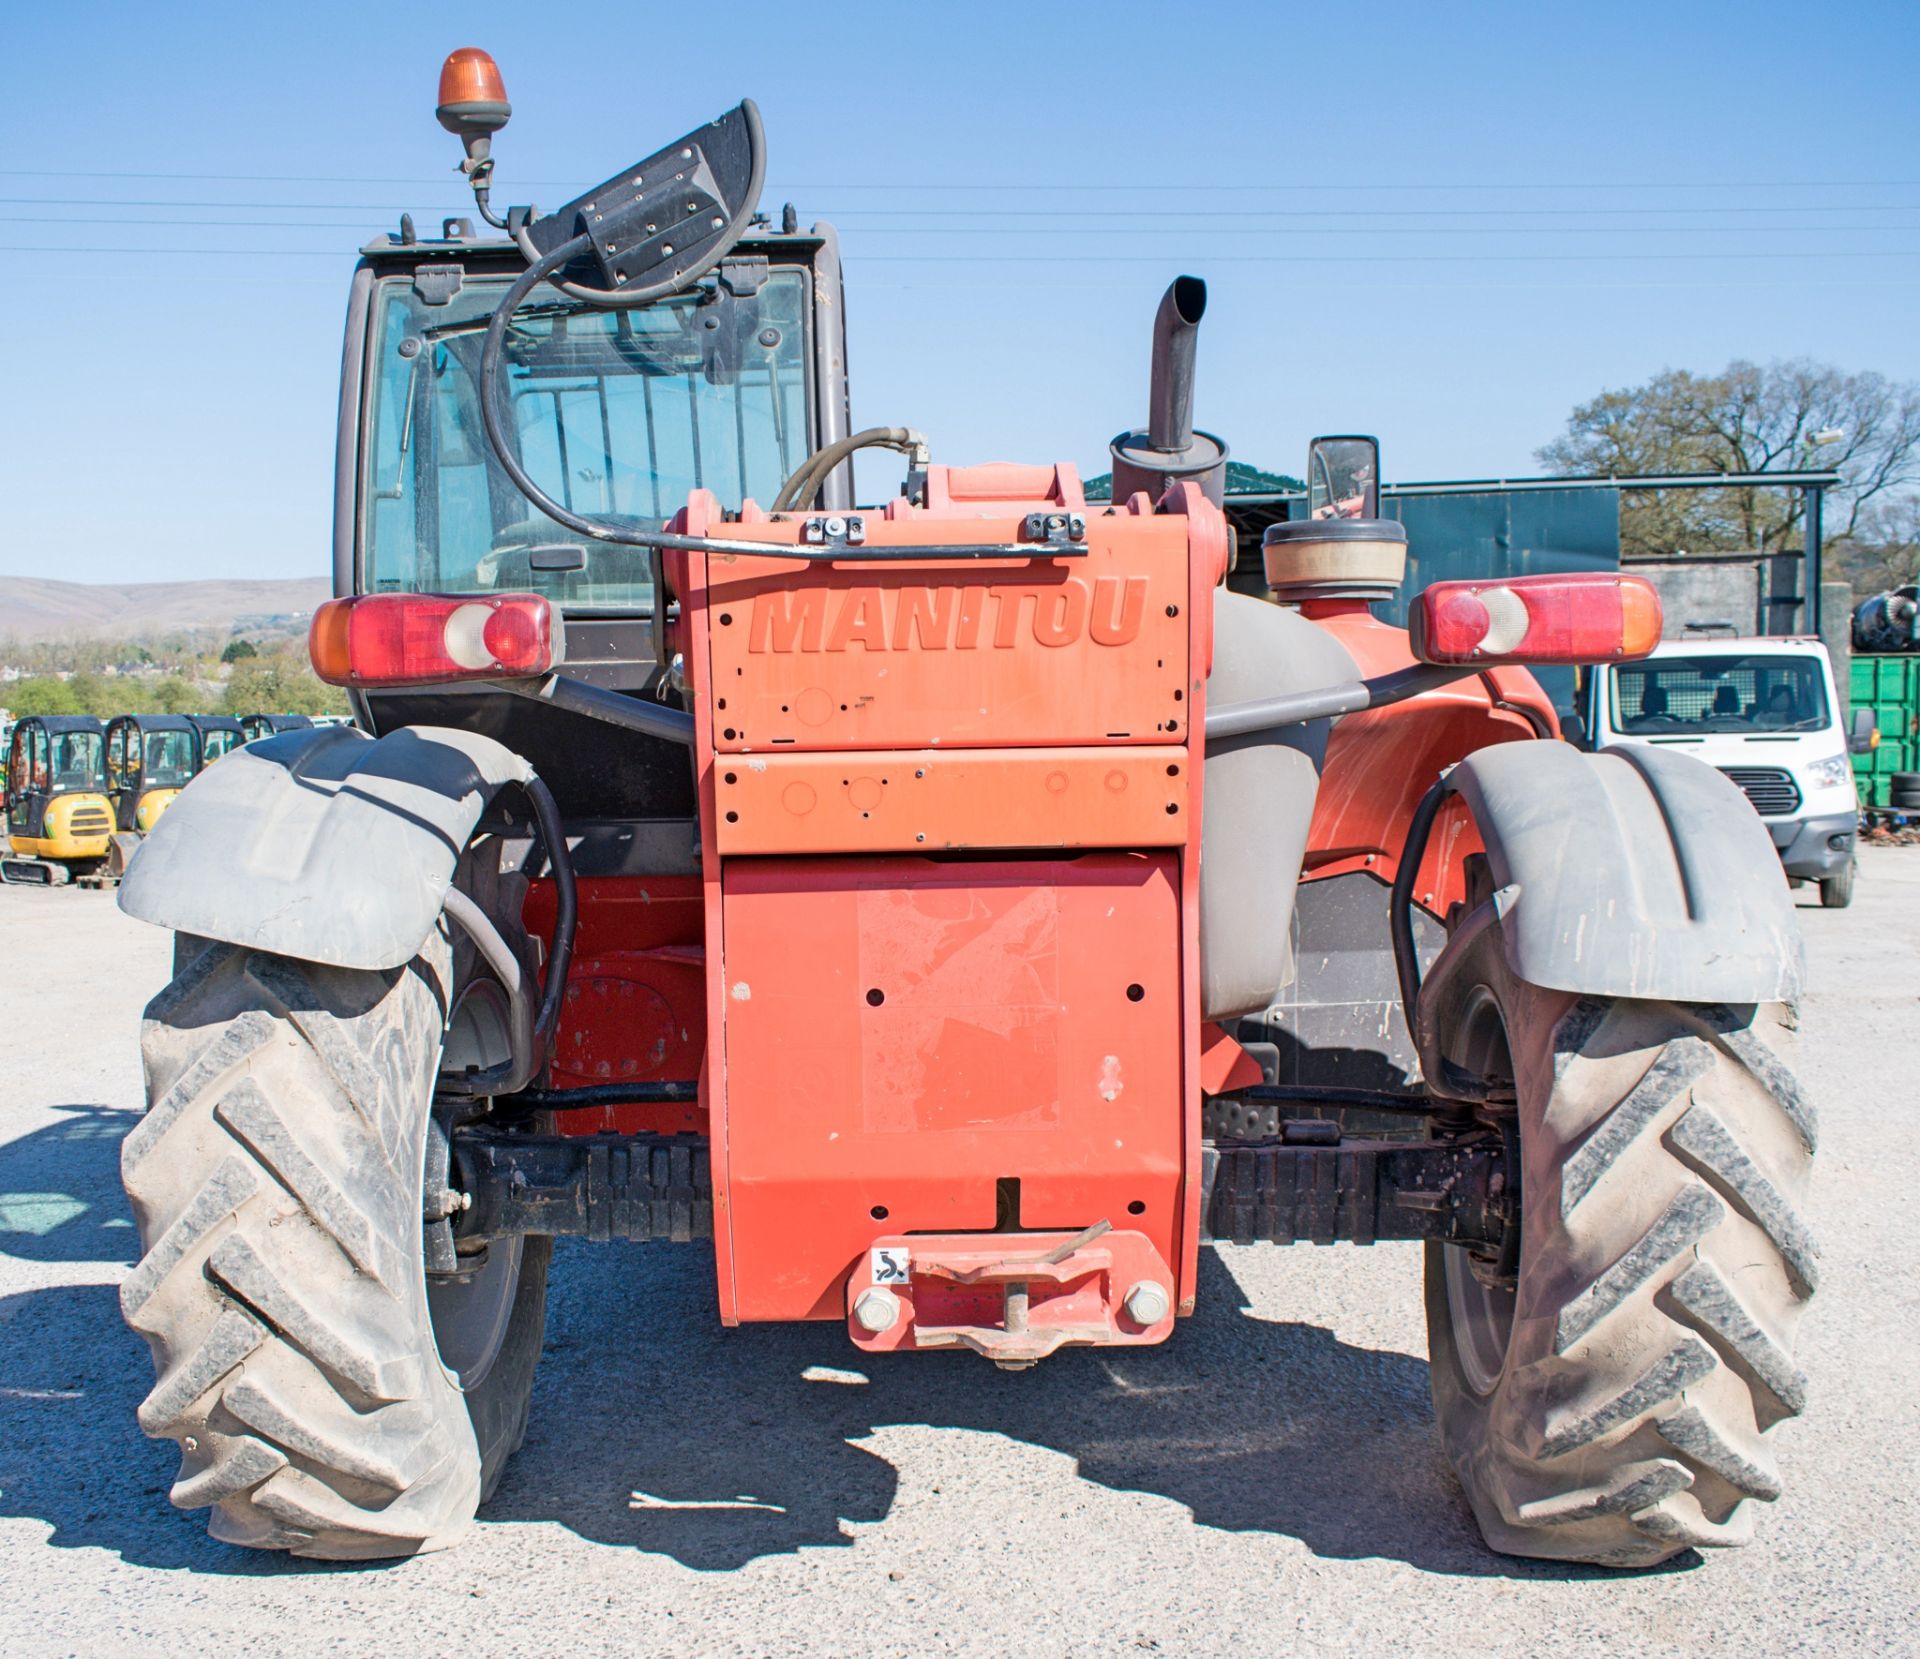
<point x="400" y="639"/>
<point x="1590" y="617"/>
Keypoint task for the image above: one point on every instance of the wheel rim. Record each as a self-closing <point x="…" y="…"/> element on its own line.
<point x="1481" y="1314"/>
<point x="471" y="1312"/>
<point x="1482" y="1317"/>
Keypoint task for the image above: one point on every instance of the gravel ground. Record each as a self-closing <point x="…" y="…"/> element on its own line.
<point x="1268" y="1483"/>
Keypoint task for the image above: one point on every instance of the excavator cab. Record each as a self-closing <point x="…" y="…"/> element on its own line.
<point x="257" y="726"/>
<point x="58" y="816"/>
<point x="219" y="734"/>
<point x="150" y="759"/>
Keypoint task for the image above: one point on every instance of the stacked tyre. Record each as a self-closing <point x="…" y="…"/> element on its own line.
<point x="1903" y="792"/>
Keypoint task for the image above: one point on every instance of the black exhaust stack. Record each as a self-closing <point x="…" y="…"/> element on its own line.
<point x="1169" y="449"/>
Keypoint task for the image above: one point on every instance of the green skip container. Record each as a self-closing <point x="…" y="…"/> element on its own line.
<point x="1890" y="686"/>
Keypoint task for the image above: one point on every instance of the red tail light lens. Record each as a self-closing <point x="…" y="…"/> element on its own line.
<point x="393" y="639"/>
<point x="1597" y="617"/>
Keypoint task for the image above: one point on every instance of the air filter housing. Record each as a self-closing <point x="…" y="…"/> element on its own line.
<point x="1334" y="558"/>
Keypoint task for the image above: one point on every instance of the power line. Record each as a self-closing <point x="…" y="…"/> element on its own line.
<point x="1046" y="212"/>
<point x="1134" y="259"/>
<point x="1182" y="186"/>
<point x="1236" y="231"/>
<point x="946" y="220"/>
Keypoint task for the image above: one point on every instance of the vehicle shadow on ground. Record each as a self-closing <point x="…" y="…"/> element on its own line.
<point x="655" y="1429"/>
<point x="71" y="1373"/>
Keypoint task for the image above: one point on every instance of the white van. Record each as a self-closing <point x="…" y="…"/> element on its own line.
<point x="1763" y="711"/>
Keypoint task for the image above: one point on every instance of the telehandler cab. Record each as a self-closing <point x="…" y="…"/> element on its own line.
<point x="960" y="910"/>
<point x="57" y="815"/>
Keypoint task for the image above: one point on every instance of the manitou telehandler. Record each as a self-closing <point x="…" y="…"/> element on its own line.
<point x="960" y="910"/>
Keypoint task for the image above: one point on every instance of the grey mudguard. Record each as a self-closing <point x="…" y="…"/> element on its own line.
<point x="1259" y="795"/>
<point x="325" y="845"/>
<point x="1638" y="873"/>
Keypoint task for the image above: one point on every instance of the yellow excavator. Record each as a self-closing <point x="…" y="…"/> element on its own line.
<point x="150" y="759"/>
<point x="59" y="820"/>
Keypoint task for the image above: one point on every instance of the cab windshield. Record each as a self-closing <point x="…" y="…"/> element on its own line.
<point x="1696" y="696"/>
<point x="617" y="414"/>
<point x="218" y="742"/>
<point x="169" y="759"/>
<point x="76" y="760"/>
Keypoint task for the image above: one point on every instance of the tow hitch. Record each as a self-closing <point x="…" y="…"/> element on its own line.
<point x="1014" y="1297"/>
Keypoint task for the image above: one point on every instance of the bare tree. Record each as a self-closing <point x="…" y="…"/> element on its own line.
<point x="1747" y="418"/>
<point x="1884" y="551"/>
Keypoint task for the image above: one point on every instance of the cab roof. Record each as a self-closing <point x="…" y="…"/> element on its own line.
<point x="1747" y="645"/>
<point x="62" y="722"/>
<point x="157" y="722"/>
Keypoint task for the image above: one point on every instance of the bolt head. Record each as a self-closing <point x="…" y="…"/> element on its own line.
<point x="1147" y="1303"/>
<point x="876" y="1310"/>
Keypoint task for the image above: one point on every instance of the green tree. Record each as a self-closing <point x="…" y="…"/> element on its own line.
<point x="175" y="695"/>
<point x="1747" y="418"/>
<point x="237" y="649"/>
<point x="94" y="695"/>
<point x="280" y="683"/>
<point x="42" y="696"/>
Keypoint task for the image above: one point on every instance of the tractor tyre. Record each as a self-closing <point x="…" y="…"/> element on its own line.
<point x="1605" y="1398"/>
<point x="326" y="1400"/>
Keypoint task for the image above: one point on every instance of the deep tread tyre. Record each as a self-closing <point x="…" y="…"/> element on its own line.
<point x="1663" y="1268"/>
<point x="276" y="1181"/>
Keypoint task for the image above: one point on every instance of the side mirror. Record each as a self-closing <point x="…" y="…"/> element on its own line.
<point x="1864" y="737"/>
<point x="1343" y="478"/>
<point x="1574" y="730"/>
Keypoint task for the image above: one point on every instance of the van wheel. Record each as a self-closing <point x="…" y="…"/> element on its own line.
<point x="1606" y="1397"/>
<point x="1836" y="892"/>
<point x="328" y="1397"/>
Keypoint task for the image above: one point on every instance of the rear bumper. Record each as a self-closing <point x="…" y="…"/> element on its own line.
<point x="1812" y="848"/>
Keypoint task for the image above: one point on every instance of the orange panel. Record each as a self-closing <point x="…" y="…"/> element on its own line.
<point x="1043" y="651"/>
<point x="941" y="800"/>
<point x="903" y="1034"/>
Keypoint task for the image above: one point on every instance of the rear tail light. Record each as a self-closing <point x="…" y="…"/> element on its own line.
<point x="392" y="639"/>
<point x="1596" y="617"/>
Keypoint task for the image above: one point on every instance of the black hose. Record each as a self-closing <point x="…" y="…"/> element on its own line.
<point x="1406" y="959"/>
<point x="566" y="911"/>
<point x="604" y="1094"/>
<point x="622" y="535"/>
<point x="797" y="493"/>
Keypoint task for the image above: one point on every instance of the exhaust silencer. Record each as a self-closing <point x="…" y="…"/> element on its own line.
<point x="1168" y="449"/>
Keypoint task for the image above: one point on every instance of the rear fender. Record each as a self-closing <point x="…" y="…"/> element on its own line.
<point x="1636" y="872"/>
<point x="324" y="845"/>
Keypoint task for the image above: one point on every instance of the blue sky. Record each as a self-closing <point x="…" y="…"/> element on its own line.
<point x="1383" y="199"/>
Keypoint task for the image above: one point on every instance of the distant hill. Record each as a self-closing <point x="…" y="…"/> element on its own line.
<point x="34" y="608"/>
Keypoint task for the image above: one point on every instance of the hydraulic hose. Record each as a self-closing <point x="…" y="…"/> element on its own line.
<point x="797" y="493"/>
<point x="494" y="420"/>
